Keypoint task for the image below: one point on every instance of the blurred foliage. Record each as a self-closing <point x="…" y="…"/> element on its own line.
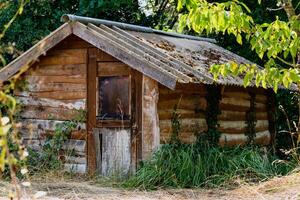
<point x="40" y="17"/>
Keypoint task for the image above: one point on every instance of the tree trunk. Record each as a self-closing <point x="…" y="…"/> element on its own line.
<point x="291" y="12"/>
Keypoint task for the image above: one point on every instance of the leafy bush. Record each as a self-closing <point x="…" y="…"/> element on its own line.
<point x="188" y="166"/>
<point x="49" y="158"/>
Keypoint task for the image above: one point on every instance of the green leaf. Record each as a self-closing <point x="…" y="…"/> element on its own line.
<point x="180" y="4"/>
<point x="239" y="39"/>
<point x="285" y="80"/>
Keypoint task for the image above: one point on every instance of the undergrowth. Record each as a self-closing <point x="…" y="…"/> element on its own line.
<point x="189" y="166"/>
<point x="50" y="155"/>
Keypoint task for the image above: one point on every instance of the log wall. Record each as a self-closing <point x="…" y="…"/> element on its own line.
<point x="191" y="102"/>
<point x="234" y="104"/>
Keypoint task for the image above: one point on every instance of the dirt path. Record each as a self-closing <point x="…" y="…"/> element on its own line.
<point x="58" y="189"/>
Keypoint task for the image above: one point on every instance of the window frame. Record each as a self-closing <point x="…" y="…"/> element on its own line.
<point x="119" y="69"/>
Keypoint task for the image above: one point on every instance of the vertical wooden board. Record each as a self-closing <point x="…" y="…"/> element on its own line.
<point x="116" y="158"/>
<point x="97" y="139"/>
<point x="139" y="114"/>
<point x="151" y="132"/>
<point x="91" y="107"/>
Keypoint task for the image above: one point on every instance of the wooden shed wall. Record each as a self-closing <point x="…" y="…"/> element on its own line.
<point x="56" y="91"/>
<point x="192" y="102"/>
<point x="234" y="105"/>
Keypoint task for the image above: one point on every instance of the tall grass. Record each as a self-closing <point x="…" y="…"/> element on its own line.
<point x="186" y="166"/>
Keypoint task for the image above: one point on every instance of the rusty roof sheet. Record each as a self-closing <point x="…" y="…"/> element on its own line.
<point x="199" y="55"/>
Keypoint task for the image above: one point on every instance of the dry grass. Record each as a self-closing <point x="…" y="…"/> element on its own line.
<point x="60" y="186"/>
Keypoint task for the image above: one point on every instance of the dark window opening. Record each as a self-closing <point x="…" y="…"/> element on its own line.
<point x="114" y="98"/>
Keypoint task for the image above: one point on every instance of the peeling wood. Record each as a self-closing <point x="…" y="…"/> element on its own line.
<point x="55" y="95"/>
<point x="116" y="148"/>
<point x="44" y="102"/>
<point x="150" y="128"/>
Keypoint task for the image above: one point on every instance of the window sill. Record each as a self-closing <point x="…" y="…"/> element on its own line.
<point x="113" y="124"/>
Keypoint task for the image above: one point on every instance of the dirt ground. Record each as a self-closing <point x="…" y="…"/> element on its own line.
<point x="50" y="188"/>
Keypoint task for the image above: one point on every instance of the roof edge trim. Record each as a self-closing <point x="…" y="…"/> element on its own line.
<point x="130" y="27"/>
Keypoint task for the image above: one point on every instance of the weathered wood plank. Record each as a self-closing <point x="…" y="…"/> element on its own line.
<point x="112" y="69"/>
<point x="42" y="112"/>
<point x="195" y="104"/>
<point x="184" y="137"/>
<point x="79" y="79"/>
<point x="242" y="95"/>
<point x="55" y="87"/>
<point x="56" y="70"/>
<point x="262" y="138"/>
<point x="236" y="116"/>
<point x="41" y="134"/>
<point x="104" y="57"/>
<point x="74" y="159"/>
<point x="56" y="95"/>
<point x="165" y="114"/>
<point x="45" y="124"/>
<point x="79" y="53"/>
<point x="116" y="157"/>
<point x="66" y="104"/>
<point x="63" y="60"/>
<point x="239" y="126"/>
<point x="187" y="125"/>
<point x="74" y="145"/>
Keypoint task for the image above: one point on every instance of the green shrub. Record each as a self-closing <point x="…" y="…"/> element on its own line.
<point x="188" y="166"/>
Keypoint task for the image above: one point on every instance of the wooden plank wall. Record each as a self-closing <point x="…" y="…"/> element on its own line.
<point x="191" y="106"/>
<point x="56" y="91"/>
<point x="234" y="104"/>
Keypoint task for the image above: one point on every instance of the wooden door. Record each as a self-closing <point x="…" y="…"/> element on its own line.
<point x="111" y="118"/>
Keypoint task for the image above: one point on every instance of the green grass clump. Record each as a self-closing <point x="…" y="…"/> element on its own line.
<point x="188" y="166"/>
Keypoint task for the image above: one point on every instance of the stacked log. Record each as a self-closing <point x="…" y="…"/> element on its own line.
<point x="191" y="105"/>
<point x="234" y="105"/>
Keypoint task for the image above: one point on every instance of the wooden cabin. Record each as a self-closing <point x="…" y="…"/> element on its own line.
<point x="129" y="80"/>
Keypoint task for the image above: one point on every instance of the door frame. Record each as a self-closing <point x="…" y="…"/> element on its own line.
<point x="135" y="123"/>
